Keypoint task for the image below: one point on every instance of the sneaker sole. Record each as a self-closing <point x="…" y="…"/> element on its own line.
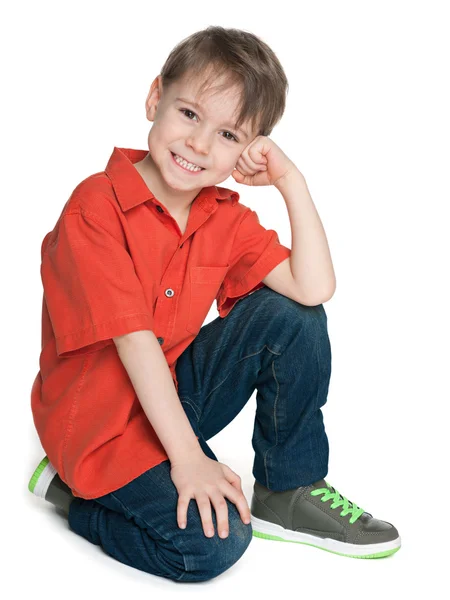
<point x="41" y="478"/>
<point x="272" y="531"/>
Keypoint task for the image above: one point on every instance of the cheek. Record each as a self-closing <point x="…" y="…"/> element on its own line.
<point x="153" y="144"/>
<point x="229" y="162"/>
<point x="162" y="132"/>
<point x="160" y="139"/>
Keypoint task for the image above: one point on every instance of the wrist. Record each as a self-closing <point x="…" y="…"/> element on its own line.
<point x="187" y="454"/>
<point x="292" y="178"/>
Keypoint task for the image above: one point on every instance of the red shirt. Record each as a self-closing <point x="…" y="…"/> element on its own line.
<point x="116" y="262"/>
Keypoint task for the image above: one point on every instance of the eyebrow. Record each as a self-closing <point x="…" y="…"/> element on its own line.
<point x="200" y="108"/>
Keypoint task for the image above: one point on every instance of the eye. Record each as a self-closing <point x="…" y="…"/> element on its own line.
<point x="233" y="136"/>
<point x="187" y="110"/>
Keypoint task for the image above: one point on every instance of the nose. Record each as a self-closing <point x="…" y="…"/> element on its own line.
<point x="199" y="142"/>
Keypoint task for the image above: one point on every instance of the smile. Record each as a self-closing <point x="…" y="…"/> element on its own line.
<point x="187" y="167"/>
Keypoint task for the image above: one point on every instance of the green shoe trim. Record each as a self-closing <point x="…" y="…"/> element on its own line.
<point x="339" y="500"/>
<point x="32" y="483"/>
<point x="279" y="539"/>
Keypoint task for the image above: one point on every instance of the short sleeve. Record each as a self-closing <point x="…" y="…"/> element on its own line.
<point x="91" y="288"/>
<point x="256" y="251"/>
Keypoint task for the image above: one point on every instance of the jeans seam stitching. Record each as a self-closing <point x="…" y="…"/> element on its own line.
<point x="276" y="427"/>
<point x="316" y="404"/>
<point x="236" y="363"/>
<point x="192" y="406"/>
<point x="149" y="525"/>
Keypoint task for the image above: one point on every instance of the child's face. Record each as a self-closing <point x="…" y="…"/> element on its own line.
<point x="202" y="135"/>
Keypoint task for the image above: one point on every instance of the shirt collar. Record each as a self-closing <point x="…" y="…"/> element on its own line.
<point x="132" y="190"/>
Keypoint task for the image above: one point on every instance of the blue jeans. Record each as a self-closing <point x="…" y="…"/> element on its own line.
<point x="270" y="343"/>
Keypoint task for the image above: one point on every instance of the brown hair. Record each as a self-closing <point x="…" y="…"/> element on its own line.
<point x="245" y="60"/>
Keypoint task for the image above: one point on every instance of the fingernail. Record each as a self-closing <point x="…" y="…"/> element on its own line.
<point x="182" y="525"/>
<point x="223" y="534"/>
<point x="211" y="532"/>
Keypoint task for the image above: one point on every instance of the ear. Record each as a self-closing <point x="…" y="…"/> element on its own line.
<point x="153" y="98"/>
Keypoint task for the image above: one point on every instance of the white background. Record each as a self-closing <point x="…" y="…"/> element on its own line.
<point x="367" y="123"/>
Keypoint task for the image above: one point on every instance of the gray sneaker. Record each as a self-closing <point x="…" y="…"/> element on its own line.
<point x="46" y="483"/>
<point x="317" y="515"/>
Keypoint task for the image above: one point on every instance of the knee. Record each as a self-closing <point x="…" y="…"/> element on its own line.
<point x="295" y="313"/>
<point x="237" y="542"/>
<point x="219" y="554"/>
<point x="283" y="302"/>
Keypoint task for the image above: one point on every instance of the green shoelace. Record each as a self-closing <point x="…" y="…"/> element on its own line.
<point x="339" y="500"/>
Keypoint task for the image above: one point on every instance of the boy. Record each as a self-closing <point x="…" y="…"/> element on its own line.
<point x="131" y="386"/>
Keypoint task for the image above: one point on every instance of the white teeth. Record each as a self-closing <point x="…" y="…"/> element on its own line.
<point x="189" y="166"/>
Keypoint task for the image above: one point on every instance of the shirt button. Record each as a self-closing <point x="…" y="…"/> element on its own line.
<point x="160" y="209"/>
<point x="161" y="341"/>
<point x="169" y="293"/>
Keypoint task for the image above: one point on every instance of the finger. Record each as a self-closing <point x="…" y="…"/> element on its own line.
<point x="239" y="500"/>
<point x="242" y="179"/>
<point x="238" y="175"/>
<point x="250" y="171"/>
<point x="221" y="508"/>
<point x="182" y="508"/>
<point x="232" y="477"/>
<point x="237" y="485"/>
<point x="246" y="180"/>
<point x="244" y="168"/>
<point x="253" y="165"/>
<point x="247" y="166"/>
<point x="204" y="507"/>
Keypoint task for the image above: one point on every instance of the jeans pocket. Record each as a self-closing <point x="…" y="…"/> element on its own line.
<point x="204" y="283"/>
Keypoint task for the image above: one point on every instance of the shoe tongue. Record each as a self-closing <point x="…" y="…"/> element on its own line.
<point x="322" y="484"/>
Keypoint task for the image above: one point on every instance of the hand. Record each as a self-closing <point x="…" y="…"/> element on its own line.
<point x="207" y="480"/>
<point x="262" y="163"/>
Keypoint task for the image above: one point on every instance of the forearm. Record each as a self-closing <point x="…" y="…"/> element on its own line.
<point x="311" y="263"/>
<point x="147" y="368"/>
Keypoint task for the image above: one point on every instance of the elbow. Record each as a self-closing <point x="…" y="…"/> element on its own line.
<point x="315" y="300"/>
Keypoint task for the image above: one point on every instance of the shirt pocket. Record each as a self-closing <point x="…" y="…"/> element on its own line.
<point x="204" y="283"/>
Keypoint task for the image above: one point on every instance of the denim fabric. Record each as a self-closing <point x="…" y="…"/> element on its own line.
<point x="270" y="343"/>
